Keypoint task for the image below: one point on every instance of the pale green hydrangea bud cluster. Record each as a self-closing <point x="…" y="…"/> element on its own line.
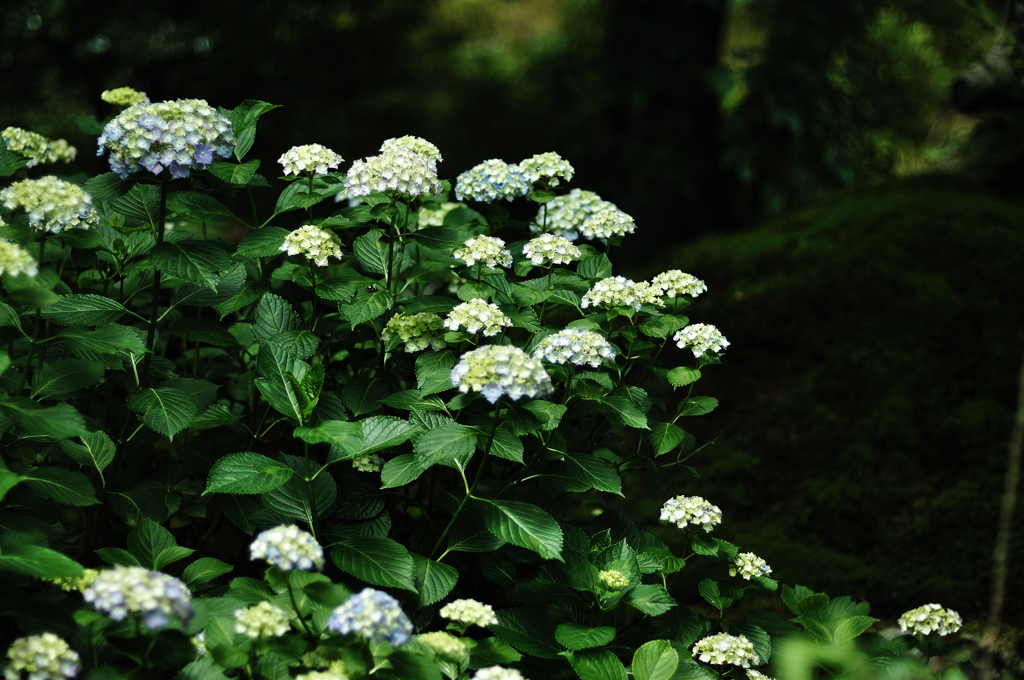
<point x="548" y="165"/>
<point x="417" y="331"/>
<point x="563" y="215"/>
<point x="37" y="148"/>
<point x="469" y="612"/>
<point x="486" y="250"/>
<point x="325" y="658"/>
<point x="748" y="565"/>
<point x="491" y="180"/>
<point x="477" y="315"/>
<point x="443" y="644"/>
<point x="261" y="620"/>
<point x="288" y="547"/>
<point x="496" y="370"/>
<point x="79" y="583"/>
<point x="756" y="675"/>
<point x="549" y="248"/>
<point x="576" y="346"/>
<point x="685" y="510"/>
<point x="124" y="590"/>
<point x="311" y="159"/>
<point x="372" y="614"/>
<point x="435" y="218"/>
<point x="399" y="168"/>
<point x="700" y="338"/>
<point x="723" y="649"/>
<point x="329" y="674"/>
<point x="930" y="618"/>
<point x="676" y="282"/>
<point x="124" y="96"/>
<point x="618" y="291"/>
<point x="174" y="135"/>
<point x="606" y="223"/>
<point x="613" y="578"/>
<point x="52" y="204"/>
<point x="43" y="657"/>
<point x="15" y="260"/>
<point x="371" y="462"/>
<point x="313" y="243"/>
<point x="498" y="673"/>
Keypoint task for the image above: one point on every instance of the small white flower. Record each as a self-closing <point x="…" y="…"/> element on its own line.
<point x="261" y="620"/>
<point x="930" y="618"/>
<point x="400" y="171"/>
<point x="477" y="315"/>
<point x="414" y="145"/>
<point x="700" y="338"/>
<point x="748" y="565"/>
<point x="43" y="657"/>
<point x="486" y="250"/>
<point x="313" y="243"/>
<point x="36" y="148"/>
<point x="311" y="159"/>
<point x="469" y="612"/>
<point x="549" y="248"/>
<point x="684" y="510"/>
<point x="576" y="346"/>
<point x="726" y="649"/>
<point x="548" y="165"/>
<point x="607" y="223"/>
<point x="288" y="547"/>
<point x="675" y="282"/>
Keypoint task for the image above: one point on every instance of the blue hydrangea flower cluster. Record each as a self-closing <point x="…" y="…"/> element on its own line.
<point x="288" y="547"/>
<point x="491" y="180"/>
<point x="52" y="204"/>
<point x="43" y="657"/>
<point x="373" y="614"/>
<point x="124" y="590"/>
<point x="174" y="135"/>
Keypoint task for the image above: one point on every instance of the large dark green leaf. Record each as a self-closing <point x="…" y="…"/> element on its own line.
<point x="272" y="317"/>
<point x="591" y="472"/>
<point x="141" y="202"/>
<point x="372" y="252"/>
<point x="400" y="470"/>
<point x="96" y="450"/>
<point x="446" y="442"/>
<point x="598" y="664"/>
<point x="525" y="525"/>
<point x="434" y="371"/>
<point x="60" y="421"/>
<point x="199" y="207"/>
<point x="61" y="485"/>
<point x="434" y="580"/>
<point x="166" y="410"/>
<point x="655" y="660"/>
<point x="576" y="637"/>
<point x="665" y="437"/>
<point x="65" y="376"/>
<point x="148" y="540"/>
<point x="234" y="173"/>
<point x="198" y="262"/>
<point x="84" y="310"/>
<point x="377" y="561"/>
<point x="247" y="473"/>
<point x="531" y="631"/>
<point x="23" y="557"/>
<point x="265" y="242"/>
<point x="652" y="599"/>
<point x="203" y="570"/>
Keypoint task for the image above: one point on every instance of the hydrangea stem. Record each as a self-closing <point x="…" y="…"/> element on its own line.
<point x="155" y="305"/>
<point x="35" y="326"/>
<point x="313" y="521"/>
<point x="298" y="614"/>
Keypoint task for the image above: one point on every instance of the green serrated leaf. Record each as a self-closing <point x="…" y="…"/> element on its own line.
<point x="61" y="485"/>
<point x="595" y="267"/>
<point x="377" y="561"/>
<point x="141" y="202"/>
<point x="247" y="473"/>
<point x="368" y="305"/>
<point x="665" y="437"/>
<point x="709" y="590"/>
<point x="576" y="637"/>
<point x="598" y="664"/>
<point x="698" y="406"/>
<point x="198" y="207"/>
<point x="445" y="442"/>
<point x="36" y="560"/>
<point x="198" y="262"/>
<point x="506" y="445"/>
<point x="204" y="570"/>
<point x="591" y="472"/>
<point x="531" y="631"/>
<point x="234" y="173"/>
<point x="372" y="252"/>
<point x="60" y="421"/>
<point x="651" y="599"/>
<point x="655" y="660"/>
<point x="65" y="376"/>
<point x="525" y="525"/>
<point x="363" y="395"/>
<point x="84" y="310"/>
<point x="400" y="470"/>
<point x="166" y="410"/>
<point x="434" y="371"/>
<point x="762" y="643"/>
<point x="148" y="540"/>
<point x="434" y="580"/>
<point x="171" y="555"/>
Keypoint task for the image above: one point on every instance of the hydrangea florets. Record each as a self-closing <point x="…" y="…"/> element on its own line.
<point x="469" y="612"/>
<point x="412" y="144"/>
<point x="443" y="643"/>
<point x="400" y="170"/>
<point x="576" y="346"/>
<point x="123" y="590"/>
<point x="549" y="248"/>
<point x="79" y="583"/>
<point x="288" y="547"/>
<point x="748" y="565"/>
<point x="313" y="243"/>
<point x="43" y="657"/>
<point x="675" y="282"/>
<point x="477" y="315"/>
<point x="311" y="159"/>
<point x="563" y="215"/>
<point x="496" y="370"/>
<point x="700" y="338"/>
<point x="261" y="620"/>
<point x="613" y="578"/>
<point x="329" y="674"/>
<point x="486" y="250"/>
<point x="36" y="148"/>
<point x="176" y="135"/>
<point x="684" y="510"/>
<point x="371" y="462"/>
<point x="618" y="291"/>
<point x="52" y="204"/>
<point x="435" y="218"/>
<point x="491" y="180"/>
<point x="124" y="96"/>
<point x="417" y="331"/>
<point x="15" y="260"/>
<point x="930" y="618"/>
<point x="756" y="675"/>
<point x="726" y="649"/>
<point x="606" y="223"/>
<point x="372" y="614"/>
<point x="548" y="165"/>
<point x="498" y="673"/>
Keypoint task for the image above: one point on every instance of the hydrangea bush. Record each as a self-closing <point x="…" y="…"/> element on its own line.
<point x="382" y="437"/>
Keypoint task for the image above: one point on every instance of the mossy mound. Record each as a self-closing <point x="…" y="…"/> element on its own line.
<point x="867" y="397"/>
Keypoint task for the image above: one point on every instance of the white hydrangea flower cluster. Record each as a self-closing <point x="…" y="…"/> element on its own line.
<point x="930" y="618"/>
<point x="618" y="291"/>
<point x="37" y="148"/>
<point x="123" y="590"/>
<point x="372" y="614"/>
<point x="576" y="346"/>
<point x="175" y="135"/>
<point x="124" y="96"/>
<point x="261" y="620"/>
<point x="606" y="223"/>
<point x="412" y="144"/>
<point x="548" y="165"/>
<point x="435" y="218"/>
<point x="487" y="250"/>
<point x="477" y="315"/>
<point x="700" y="338"/>
<point x="498" y="673"/>
<point x="563" y="215"/>
<point x="727" y="649"/>
<point x="417" y="331"/>
<point x="443" y="643"/>
<point x="371" y="462"/>
<point x="15" y="260"/>
<point x="756" y="675"/>
<point x="491" y="180"/>
<point x="613" y="578"/>
<point x="313" y="243"/>
<point x="496" y="370"/>
<point x="684" y="510"/>
<point x="310" y="159"/>
<point x="469" y="612"/>
<point x="407" y="165"/>
<point x="748" y="565"/>
<point x="551" y="248"/>
<point x="43" y="657"/>
<point x="288" y="547"/>
<point x="329" y="674"/>
<point x="676" y="282"/>
<point x="52" y="204"/>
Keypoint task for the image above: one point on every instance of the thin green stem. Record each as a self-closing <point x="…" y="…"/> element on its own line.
<point x="314" y="521"/>
<point x="35" y="326"/>
<point x="155" y="305"/>
<point x="298" y="614"/>
<point x="309" y="210"/>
